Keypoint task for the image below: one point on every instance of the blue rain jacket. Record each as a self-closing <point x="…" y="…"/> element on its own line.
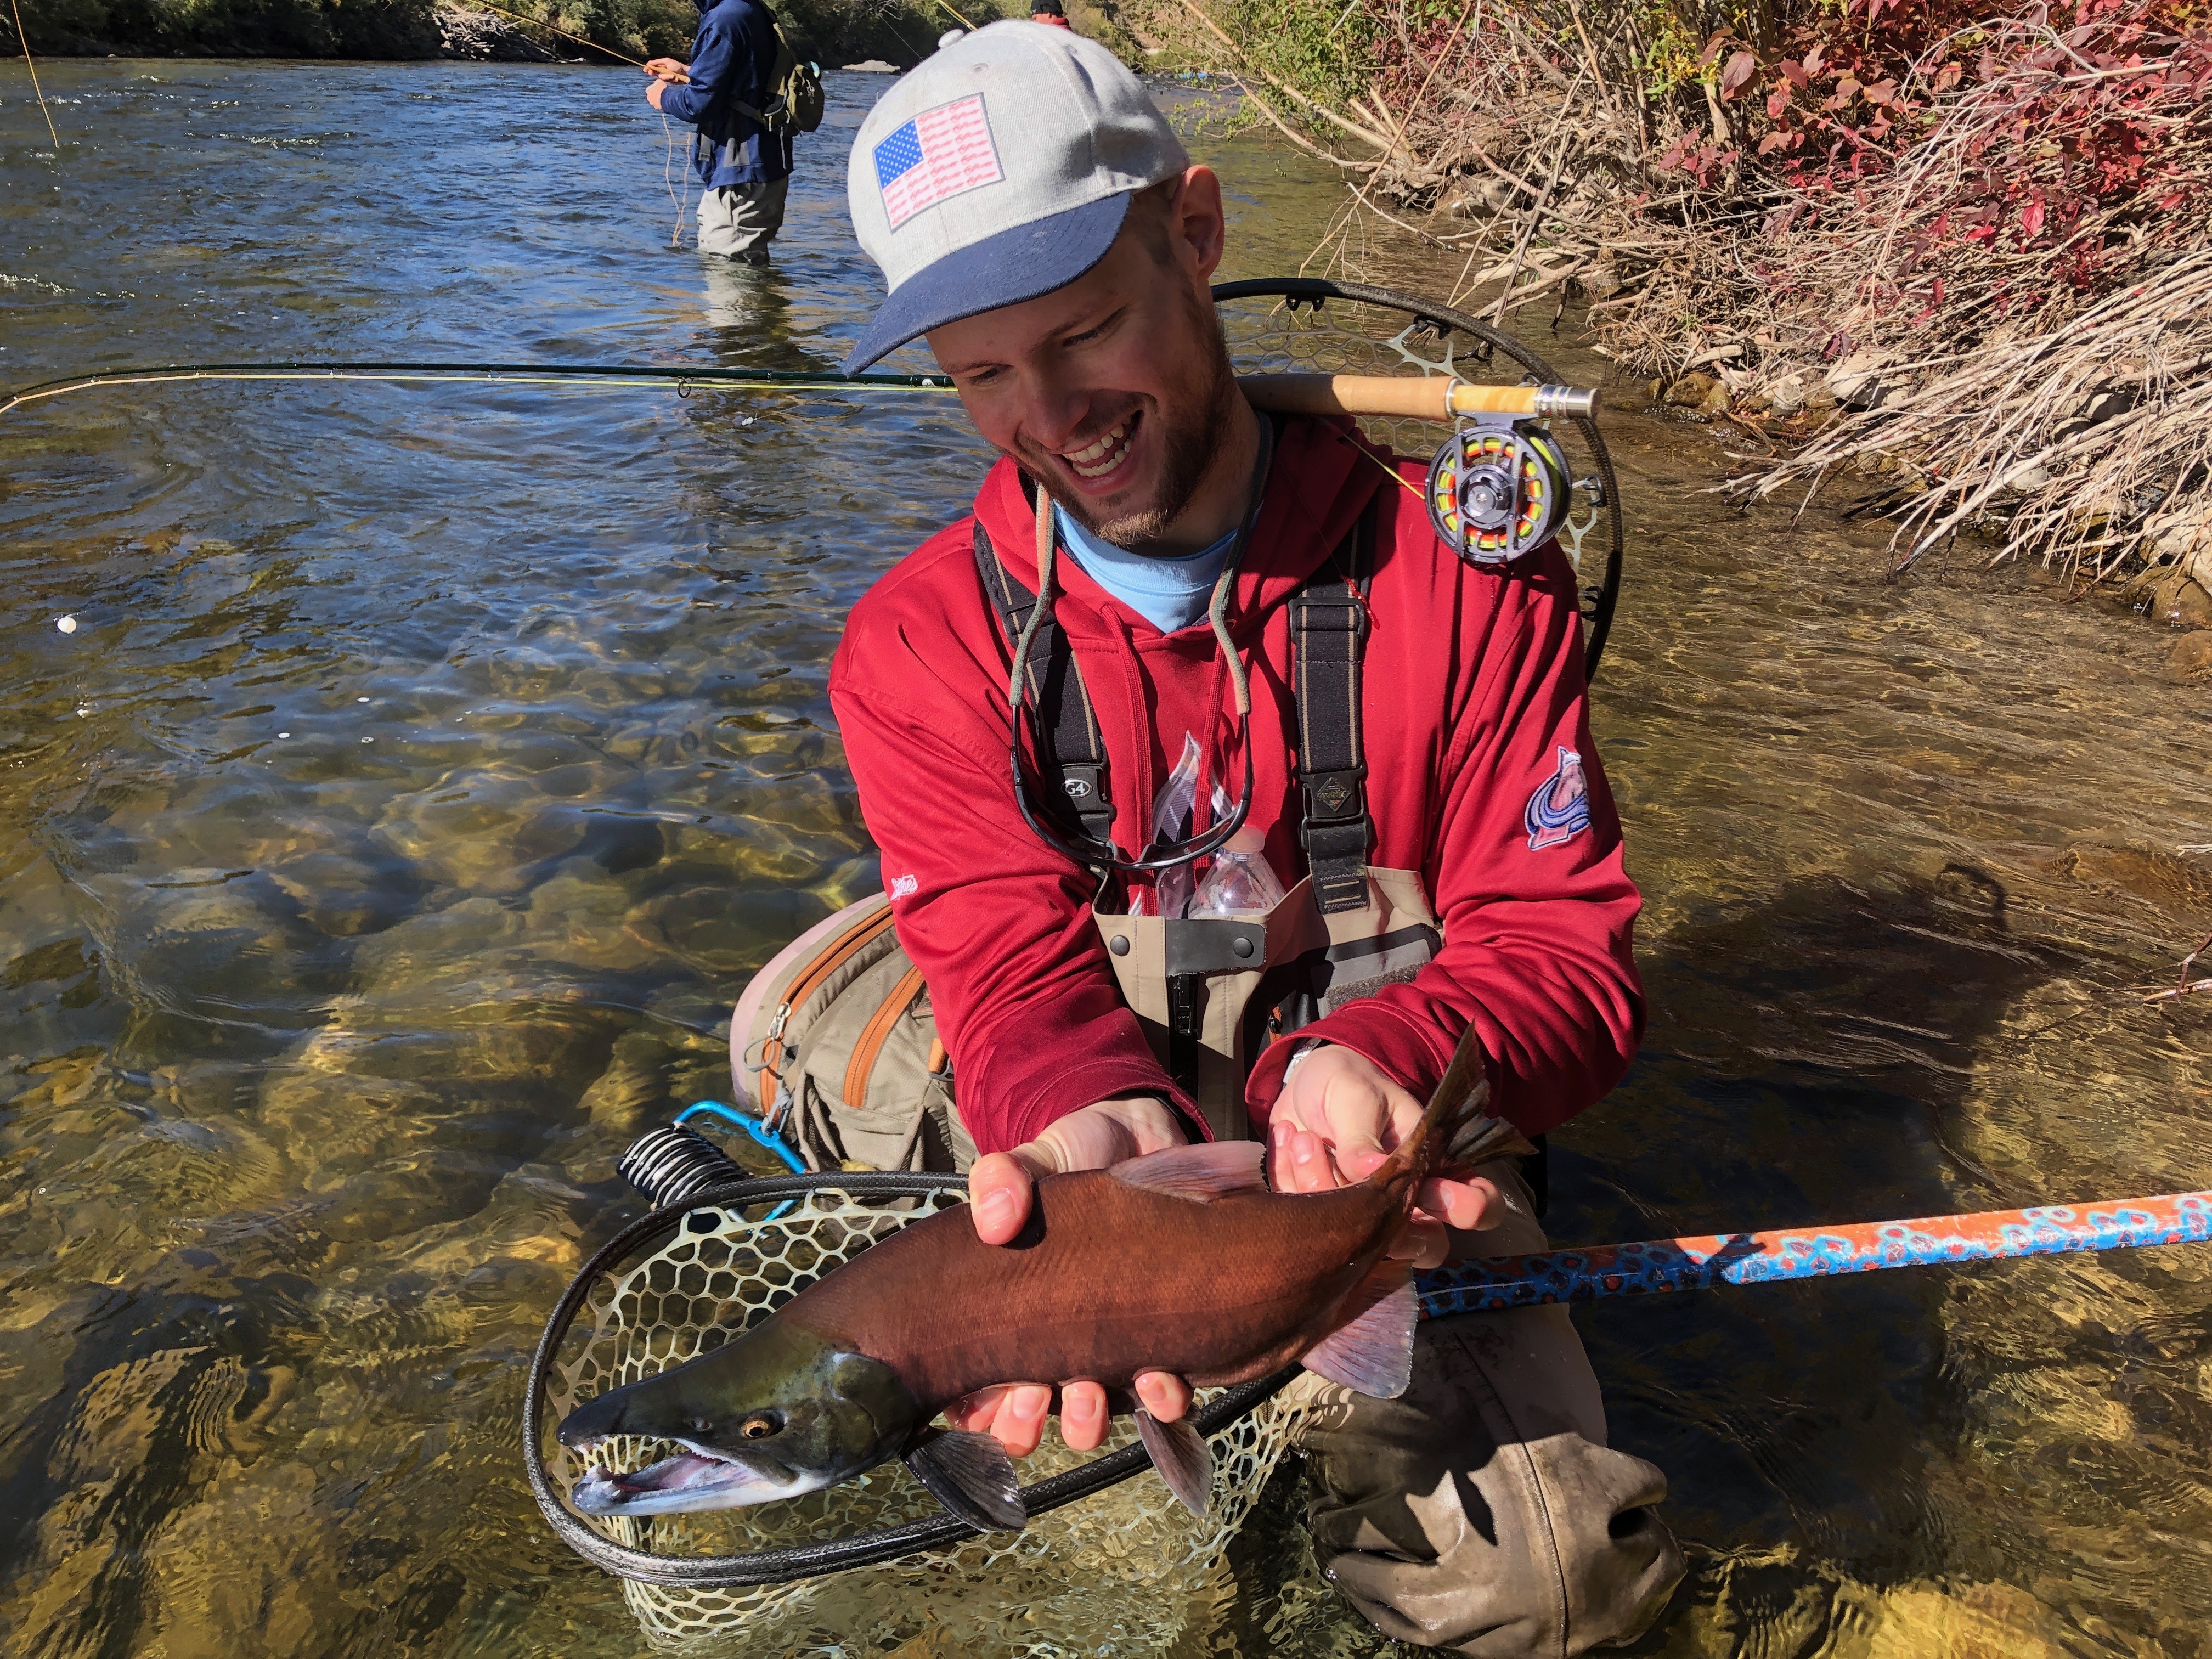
<point x="733" y="56"/>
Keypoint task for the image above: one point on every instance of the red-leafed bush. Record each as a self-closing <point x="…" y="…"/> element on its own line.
<point x="2075" y="114"/>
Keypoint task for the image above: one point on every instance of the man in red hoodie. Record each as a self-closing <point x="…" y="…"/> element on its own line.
<point x="1253" y="611"/>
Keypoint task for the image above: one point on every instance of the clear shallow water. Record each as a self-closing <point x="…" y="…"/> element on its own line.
<point x="430" y="766"/>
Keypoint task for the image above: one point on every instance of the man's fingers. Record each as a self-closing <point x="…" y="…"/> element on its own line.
<point x="1019" y="1424"/>
<point x="975" y="1412"/>
<point x="1469" y="1206"/>
<point x="1162" y="1394"/>
<point x="1082" y="1415"/>
<point x="1306" y="1163"/>
<point x="1422" y="1241"/>
<point x="1000" y="1189"/>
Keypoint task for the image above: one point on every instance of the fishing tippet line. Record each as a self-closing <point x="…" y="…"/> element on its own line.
<point x="585" y="375"/>
<point x="536" y="23"/>
<point x="683" y="204"/>
<point x="36" y="90"/>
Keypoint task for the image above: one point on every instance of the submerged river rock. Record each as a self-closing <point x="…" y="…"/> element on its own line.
<point x="431" y="765"/>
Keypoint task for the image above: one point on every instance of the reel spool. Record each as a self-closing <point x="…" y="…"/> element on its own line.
<point x="1497" y="489"/>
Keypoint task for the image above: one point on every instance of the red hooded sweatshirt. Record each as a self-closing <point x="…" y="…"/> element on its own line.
<point x="1474" y="713"/>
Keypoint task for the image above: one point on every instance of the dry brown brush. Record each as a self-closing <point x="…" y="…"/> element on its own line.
<point x="1961" y="260"/>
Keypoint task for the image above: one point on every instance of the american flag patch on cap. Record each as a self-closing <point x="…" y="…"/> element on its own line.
<point x="940" y="153"/>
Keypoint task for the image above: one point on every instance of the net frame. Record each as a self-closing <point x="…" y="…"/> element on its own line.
<point x="625" y="1295"/>
<point x="1298" y="333"/>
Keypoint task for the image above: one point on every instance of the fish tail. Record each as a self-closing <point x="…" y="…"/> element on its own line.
<point x="1457" y="1130"/>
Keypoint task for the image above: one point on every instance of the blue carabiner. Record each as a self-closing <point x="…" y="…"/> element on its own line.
<point x="759" y="1133"/>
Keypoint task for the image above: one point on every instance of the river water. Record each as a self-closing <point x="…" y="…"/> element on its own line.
<point x="429" y="767"/>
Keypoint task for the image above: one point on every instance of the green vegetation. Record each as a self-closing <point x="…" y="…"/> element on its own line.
<point x="276" y="29"/>
<point x="838" y="31"/>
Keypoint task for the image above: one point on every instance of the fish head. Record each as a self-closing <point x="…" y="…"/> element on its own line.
<point x="779" y="1412"/>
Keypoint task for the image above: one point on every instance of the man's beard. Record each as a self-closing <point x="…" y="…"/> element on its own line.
<point x="1190" y="441"/>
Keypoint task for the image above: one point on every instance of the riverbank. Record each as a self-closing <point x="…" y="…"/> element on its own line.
<point x="1953" y="270"/>
<point x="834" y="32"/>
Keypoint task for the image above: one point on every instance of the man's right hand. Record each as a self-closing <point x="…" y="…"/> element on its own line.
<point x="1001" y="1189"/>
<point x="668" y="69"/>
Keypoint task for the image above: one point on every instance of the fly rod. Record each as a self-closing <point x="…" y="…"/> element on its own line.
<point x="1704" y="1261"/>
<point x="1433" y="397"/>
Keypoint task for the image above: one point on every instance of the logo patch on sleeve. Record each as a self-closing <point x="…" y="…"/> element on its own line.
<point x="940" y="153"/>
<point x="903" y="887"/>
<point x="1559" y="810"/>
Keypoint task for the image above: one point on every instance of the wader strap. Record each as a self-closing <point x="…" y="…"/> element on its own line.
<point x="1067" y="729"/>
<point x="1183" y="1017"/>
<point x="1328" y="638"/>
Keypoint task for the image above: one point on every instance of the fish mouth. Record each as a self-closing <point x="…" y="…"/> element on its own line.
<point x="694" y="1479"/>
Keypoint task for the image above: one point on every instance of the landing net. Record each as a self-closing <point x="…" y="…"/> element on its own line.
<point x="1123" y="1570"/>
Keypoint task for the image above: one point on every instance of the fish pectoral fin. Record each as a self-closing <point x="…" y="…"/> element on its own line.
<point x="1180" y="1453"/>
<point x="972" y="1476"/>
<point x="1482" y="1138"/>
<point x="1373" y="1352"/>
<point x="1201" y="1174"/>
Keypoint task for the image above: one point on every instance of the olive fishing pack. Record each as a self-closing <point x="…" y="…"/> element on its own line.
<point x="797" y="100"/>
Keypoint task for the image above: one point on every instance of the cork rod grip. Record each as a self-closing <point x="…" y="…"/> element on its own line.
<point x="1421" y="397"/>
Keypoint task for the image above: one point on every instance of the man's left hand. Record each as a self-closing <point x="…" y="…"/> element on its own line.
<point x="653" y="91"/>
<point x="1337" y="1118"/>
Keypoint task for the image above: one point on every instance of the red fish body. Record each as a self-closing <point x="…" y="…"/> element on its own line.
<point x="1109" y="1280"/>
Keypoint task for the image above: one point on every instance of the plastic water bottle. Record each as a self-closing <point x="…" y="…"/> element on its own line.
<point x="1240" y="883"/>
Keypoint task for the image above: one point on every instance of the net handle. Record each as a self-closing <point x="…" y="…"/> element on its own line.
<point x="779" y="1566"/>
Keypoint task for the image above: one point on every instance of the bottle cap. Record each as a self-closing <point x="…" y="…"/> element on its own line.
<point x="1247" y="840"/>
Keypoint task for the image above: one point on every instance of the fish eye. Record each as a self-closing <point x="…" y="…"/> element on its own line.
<point x="760" y="1426"/>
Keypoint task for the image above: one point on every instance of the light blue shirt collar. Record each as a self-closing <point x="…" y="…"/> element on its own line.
<point x="1168" y="590"/>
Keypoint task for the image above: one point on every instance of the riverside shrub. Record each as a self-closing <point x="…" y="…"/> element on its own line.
<point x="2053" y="120"/>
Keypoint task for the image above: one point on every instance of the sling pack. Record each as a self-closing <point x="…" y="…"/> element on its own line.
<point x="795" y="102"/>
<point x="834" y="1042"/>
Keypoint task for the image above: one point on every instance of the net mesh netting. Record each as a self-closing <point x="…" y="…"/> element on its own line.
<point x="1123" y="1570"/>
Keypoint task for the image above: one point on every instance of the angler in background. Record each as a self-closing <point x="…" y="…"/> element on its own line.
<point x="1050" y="13"/>
<point x="729" y="92"/>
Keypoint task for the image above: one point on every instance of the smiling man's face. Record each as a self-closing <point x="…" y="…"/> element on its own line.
<point x="1115" y="391"/>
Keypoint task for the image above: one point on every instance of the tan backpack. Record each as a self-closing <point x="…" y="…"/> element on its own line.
<point x="836" y="1044"/>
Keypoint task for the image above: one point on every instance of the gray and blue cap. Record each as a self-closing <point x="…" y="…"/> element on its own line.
<point x="998" y="171"/>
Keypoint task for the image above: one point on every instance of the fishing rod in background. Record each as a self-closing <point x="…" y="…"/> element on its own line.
<point x="1525" y="462"/>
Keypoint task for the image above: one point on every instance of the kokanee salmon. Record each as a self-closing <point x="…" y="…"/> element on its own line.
<point x="1182" y="1261"/>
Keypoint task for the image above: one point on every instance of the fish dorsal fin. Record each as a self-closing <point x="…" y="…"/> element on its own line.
<point x="972" y="1476"/>
<point x="1373" y="1351"/>
<point x="1180" y="1455"/>
<point x="1200" y="1174"/>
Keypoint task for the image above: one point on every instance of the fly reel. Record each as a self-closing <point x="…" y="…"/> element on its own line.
<point x="1499" y="488"/>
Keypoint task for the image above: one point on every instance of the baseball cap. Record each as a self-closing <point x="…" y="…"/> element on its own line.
<point x="999" y="170"/>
